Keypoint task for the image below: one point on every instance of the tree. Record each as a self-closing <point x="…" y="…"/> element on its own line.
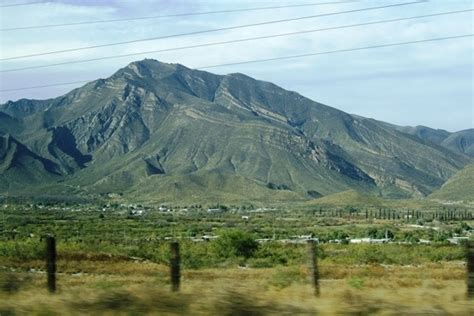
<point x="235" y="243"/>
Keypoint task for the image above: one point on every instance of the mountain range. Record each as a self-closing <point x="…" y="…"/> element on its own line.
<point x="164" y="132"/>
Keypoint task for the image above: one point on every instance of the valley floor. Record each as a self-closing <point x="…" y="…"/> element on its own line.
<point x="113" y="260"/>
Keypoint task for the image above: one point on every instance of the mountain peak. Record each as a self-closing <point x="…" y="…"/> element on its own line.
<point x="149" y="69"/>
<point x="151" y="63"/>
<point x="240" y="76"/>
<point x="164" y="130"/>
<point x="155" y="65"/>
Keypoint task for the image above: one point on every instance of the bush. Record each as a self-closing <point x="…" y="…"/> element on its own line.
<point x="235" y="243"/>
<point x="28" y="250"/>
<point x="356" y="283"/>
<point x="260" y="263"/>
<point x="284" y="277"/>
<point x="367" y="254"/>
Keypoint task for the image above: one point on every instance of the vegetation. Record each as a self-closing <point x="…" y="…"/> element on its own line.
<point x="92" y="167"/>
<point x="116" y="256"/>
<point x="235" y="243"/>
<point x="94" y="285"/>
<point x="163" y="132"/>
<point x="459" y="187"/>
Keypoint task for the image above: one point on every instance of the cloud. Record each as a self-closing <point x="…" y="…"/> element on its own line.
<point x="413" y="80"/>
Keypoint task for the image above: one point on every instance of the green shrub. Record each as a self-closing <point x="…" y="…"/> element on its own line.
<point x="235" y="243"/>
<point x="260" y="263"/>
<point x="369" y="254"/>
<point x="284" y="277"/>
<point x="25" y="250"/>
<point x="356" y="283"/>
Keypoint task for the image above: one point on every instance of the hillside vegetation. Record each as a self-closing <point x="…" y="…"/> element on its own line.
<point x="156" y="131"/>
<point x="458" y="188"/>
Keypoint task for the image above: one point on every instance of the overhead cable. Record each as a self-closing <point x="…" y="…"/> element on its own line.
<point x="207" y="31"/>
<point x="277" y="58"/>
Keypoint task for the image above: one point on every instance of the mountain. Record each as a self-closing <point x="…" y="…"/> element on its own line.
<point x="8" y="123"/>
<point x="350" y="197"/>
<point x="19" y="165"/>
<point x="459" y="187"/>
<point x="426" y="133"/>
<point x="354" y="198"/>
<point x="460" y="142"/>
<point x="166" y="132"/>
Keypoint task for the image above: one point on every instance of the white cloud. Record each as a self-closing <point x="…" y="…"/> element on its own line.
<point x="355" y="81"/>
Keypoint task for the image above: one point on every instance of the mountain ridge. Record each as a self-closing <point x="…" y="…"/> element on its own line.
<point x="459" y="187"/>
<point x="460" y="141"/>
<point x="171" y="127"/>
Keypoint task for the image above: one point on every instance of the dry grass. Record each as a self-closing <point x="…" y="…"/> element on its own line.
<point x="131" y="288"/>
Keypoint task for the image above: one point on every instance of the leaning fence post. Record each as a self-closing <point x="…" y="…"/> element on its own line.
<point x="470" y="268"/>
<point x="51" y="263"/>
<point x="175" y="266"/>
<point x="313" y="266"/>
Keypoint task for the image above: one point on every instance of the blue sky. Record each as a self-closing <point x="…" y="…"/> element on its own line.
<point x="425" y="84"/>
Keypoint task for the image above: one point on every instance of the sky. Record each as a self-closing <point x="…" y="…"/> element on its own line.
<point x="427" y="84"/>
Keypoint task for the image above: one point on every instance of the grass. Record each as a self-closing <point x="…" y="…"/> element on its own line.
<point x="132" y="288"/>
<point x="114" y="263"/>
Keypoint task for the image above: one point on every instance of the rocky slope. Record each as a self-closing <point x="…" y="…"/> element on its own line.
<point x="460" y="142"/>
<point x="163" y="131"/>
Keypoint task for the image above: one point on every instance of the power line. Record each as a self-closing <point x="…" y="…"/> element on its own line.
<point x="277" y="58"/>
<point x="236" y="41"/>
<point x="339" y="51"/>
<point x="30" y="27"/>
<point x="209" y="31"/>
<point x="47" y="85"/>
<point x="20" y="4"/>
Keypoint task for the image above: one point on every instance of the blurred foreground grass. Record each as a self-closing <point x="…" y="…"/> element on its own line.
<point x="127" y="287"/>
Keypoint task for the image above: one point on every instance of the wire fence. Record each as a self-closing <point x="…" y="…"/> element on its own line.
<point x="13" y="278"/>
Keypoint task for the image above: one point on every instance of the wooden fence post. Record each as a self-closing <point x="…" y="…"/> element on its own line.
<point x="175" y="266"/>
<point x="470" y="268"/>
<point x="51" y="263"/>
<point x="313" y="266"/>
